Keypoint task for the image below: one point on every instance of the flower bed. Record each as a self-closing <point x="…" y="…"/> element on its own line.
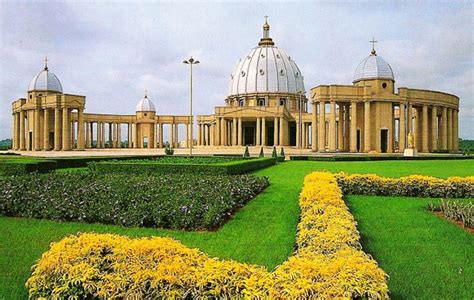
<point x="457" y="211"/>
<point x="328" y="262"/>
<point x="410" y="186"/>
<point x="170" y="201"/>
<point x="218" y="166"/>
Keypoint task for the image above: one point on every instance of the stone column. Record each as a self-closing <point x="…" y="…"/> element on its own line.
<point x="199" y="135"/>
<point x="46" y="130"/>
<point x="444" y="129"/>
<point x="15" y="132"/>
<point x="314" y="124"/>
<point x="73" y="134"/>
<point x="402" y="131"/>
<point x="455" y="130"/>
<point x="36" y="131"/>
<point x="234" y="132"/>
<point x="88" y="138"/>
<point x="212" y="140"/>
<point x="218" y="132"/>
<point x="340" y="129"/>
<point x="151" y="138"/>
<point x="367" y="123"/>
<point x="346" y="128"/>
<point x="119" y="135"/>
<point x="66" y="130"/>
<point x="424" y="130"/>
<point x="322" y="126"/>
<point x="239" y="132"/>
<point x="222" y="131"/>
<point x="99" y="135"/>
<point x="378" y="145"/>
<point x="275" y="131"/>
<point x="134" y="137"/>
<point x="282" y="132"/>
<point x="258" y="142"/>
<point x="409" y="119"/>
<point x="304" y="136"/>
<point x="80" y="128"/>
<point x="176" y="135"/>
<point x="353" y="143"/>
<point x="161" y="136"/>
<point x="298" y="141"/>
<point x="434" y="128"/>
<point x="332" y="127"/>
<point x="22" y="131"/>
<point x="264" y="132"/>
<point x="450" y="129"/>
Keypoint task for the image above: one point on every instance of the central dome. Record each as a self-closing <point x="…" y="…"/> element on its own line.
<point x="266" y="69"/>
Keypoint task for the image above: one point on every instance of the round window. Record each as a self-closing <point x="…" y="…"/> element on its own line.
<point x="384" y="85"/>
<point x="145" y="114"/>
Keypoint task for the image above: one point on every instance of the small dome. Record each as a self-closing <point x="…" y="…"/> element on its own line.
<point x="145" y="105"/>
<point x="266" y="69"/>
<point x="373" y="67"/>
<point x="45" y="81"/>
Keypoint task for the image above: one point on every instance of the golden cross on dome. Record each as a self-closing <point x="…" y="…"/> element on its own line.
<point x="46" y="63"/>
<point x="146" y="93"/>
<point x="266" y="19"/>
<point x="373" y="41"/>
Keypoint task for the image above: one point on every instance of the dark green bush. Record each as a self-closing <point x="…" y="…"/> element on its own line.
<point x="230" y="167"/>
<point x="261" y="154"/>
<point x="274" y="152"/>
<point x="21" y="167"/>
<point x="170" y="201"/>
<point x="168" y="149"/>
<point x="246" y="152"/>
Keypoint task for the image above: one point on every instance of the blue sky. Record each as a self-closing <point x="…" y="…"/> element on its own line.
<point x="112" y="52"/>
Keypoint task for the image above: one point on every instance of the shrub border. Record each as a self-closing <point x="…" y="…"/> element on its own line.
<point x="226" y="168"/>
<point x="327" y="263"/>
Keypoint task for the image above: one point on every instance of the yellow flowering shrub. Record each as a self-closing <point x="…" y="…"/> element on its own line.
<point x="328" y="262"/>
<point x="412" y="186"/>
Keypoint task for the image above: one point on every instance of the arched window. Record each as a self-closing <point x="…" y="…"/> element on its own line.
<point x="261" y="101"/>
<point x="241" y="102"/>
<point x="282" y="101"/>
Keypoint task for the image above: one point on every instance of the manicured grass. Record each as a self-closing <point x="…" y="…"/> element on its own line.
<point x="425" y="256"/>
<point x="263" y="232"/>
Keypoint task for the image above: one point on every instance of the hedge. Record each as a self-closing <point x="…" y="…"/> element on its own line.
<point x="179" y="201"/>
<point x="21" y="167"/>
<point x="226" y="168"/>
<point x="328" y="263"/>
<point x="376" y="158"/>
<point x="409" y="186"/>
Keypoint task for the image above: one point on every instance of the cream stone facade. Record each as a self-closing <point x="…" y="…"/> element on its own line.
<point x="49" y="119"/>
<point x="368" y="116"/>
<point x="266" y="106"/>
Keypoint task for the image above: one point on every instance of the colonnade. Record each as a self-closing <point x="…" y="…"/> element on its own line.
<point x="364" y="126"/>
<point x="47" y="129"/>
<point x="63" y="129"/>
<point x="230" y="132"/>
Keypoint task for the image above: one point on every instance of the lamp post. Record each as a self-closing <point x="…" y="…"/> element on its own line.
<point x="191" y="62"/>
<point x="300" y="121"/>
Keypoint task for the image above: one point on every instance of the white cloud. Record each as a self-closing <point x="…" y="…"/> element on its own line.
<point x="112" y="52"/>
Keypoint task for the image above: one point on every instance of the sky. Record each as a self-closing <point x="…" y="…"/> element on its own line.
<point x="112" y="52"/>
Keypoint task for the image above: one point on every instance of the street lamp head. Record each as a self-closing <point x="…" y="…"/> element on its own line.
<point x="196" y="62"/>
<point x="191" y="60"/>
<point x="185" y="62"/>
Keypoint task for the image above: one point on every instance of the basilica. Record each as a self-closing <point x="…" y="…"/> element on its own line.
<point x="266" y="105"/>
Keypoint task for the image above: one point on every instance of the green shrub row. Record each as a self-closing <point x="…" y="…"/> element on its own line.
<point x="20" y="167"/>
<point x="373" y="158"/>
<point x="226" y="168"/>
<point x="409" y="186"/>
<point x="179" y="201"/>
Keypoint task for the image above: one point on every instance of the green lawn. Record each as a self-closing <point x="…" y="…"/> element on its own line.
<point x="263" y="232"/>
